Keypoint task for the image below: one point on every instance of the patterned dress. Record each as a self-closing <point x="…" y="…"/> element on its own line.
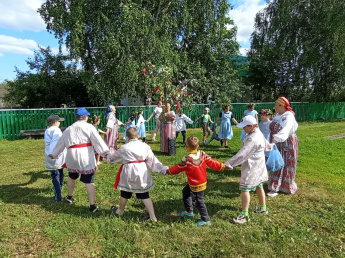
<point x="168" y="130"/>
<point x="283" y="128"/>
<point x="111" y="139"/>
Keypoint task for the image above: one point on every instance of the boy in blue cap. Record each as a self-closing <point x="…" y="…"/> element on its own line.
<point x="81" y="139"/>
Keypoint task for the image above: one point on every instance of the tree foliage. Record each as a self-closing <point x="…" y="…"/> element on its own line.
<point x="52" y="80"/>
<point x="116" y="40"/>
<point x="298" y="50"/>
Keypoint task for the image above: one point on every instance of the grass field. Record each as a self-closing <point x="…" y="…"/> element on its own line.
<point x="309" y="223"/>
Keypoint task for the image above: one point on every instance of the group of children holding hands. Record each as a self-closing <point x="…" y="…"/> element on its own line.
<point x="137" y="158"/>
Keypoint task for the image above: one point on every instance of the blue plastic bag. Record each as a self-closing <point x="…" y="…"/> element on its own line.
<point x="275" y="160"/>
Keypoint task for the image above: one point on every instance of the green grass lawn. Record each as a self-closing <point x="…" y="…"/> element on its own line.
<point x="309" y="223"/>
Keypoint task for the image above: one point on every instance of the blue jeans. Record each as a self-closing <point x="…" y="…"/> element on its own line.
<point x="57" y="180"/>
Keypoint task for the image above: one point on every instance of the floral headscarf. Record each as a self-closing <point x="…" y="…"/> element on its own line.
<point x="284" y="102"/>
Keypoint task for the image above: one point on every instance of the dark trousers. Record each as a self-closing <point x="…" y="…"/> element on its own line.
<point x="183" y="135"/>
<point x="57" y="180"/>
<point x="188" y="197"/>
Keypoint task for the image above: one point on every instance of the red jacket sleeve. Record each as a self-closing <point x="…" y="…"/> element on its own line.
<point x="214" y="164"/>
<point x="178" y="168"/>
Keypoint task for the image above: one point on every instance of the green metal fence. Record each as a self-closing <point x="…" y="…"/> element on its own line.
<point x="12" y="121"/>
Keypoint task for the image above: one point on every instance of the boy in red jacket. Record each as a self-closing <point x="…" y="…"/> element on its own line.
<point x="194" y="164"/>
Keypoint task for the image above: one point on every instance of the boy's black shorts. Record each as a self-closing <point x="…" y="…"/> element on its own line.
<point x="128" y="195"/>
<point x="85" y="178"/>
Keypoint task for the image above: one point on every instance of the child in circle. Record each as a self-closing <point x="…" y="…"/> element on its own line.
<point x="225" y="131"/>
<point x="141" y="124"/>
<point x="130" y="123"/>
<point x="95" y="120"/>
<point x="181" y="118"/>
<point x="194" y="164"/>
<point x="205" y="128"/>
<point x="251" y="158"/>
<point x="264" y="125"/>
<point x="133" y="176"/>
<point x="55" y="166"/>
<point x="249" y="112"/>
<point x="157" y="113"/>
<point x="265" y="121"/>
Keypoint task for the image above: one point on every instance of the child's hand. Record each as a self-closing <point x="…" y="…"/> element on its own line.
<point x="51" y="156"/>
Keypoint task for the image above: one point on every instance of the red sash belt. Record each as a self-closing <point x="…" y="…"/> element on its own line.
<point x="80" y="145"/>
<point x="117" y="180"/>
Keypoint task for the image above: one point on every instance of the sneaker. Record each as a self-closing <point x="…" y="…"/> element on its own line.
<point x="94" y="208"/>
<point x="69" y="199"/>
<point x="241" y="219"/>
<point x="272" y="194"/>
<point x="186" y="214"/>
<point x="203" y="223"/>
<point x="115" y="211"/>
<point x="259" y="209"/>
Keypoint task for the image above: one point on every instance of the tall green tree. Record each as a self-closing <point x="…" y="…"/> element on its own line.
<point x="116" y="40"/>
<point x="298" y="50"/>
<point x="51" y="81"/>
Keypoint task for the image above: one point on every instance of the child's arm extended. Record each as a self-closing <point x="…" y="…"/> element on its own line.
<point x="214" y="164"/>
<point x="154" y="164"/>
<point x="178" y="168"/>
<point x="196" y="120"/>
<point x="100" y="131"/>
<point x="115" y="157"/>
<point x="242" y="155"/>
<point x="187" y="119"/>
<point x="209" y="118"/>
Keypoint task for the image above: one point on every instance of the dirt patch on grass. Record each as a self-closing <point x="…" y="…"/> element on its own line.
<point x="337" y="136"/>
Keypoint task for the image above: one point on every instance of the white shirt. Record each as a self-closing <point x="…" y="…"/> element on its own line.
<point x="157" y="111"/>
<point x="289" y="126"/>
<point x="252" y="158"/>
<point x="81" y="159"/>
<point x="180" y="122"/>
<point x="111" y="119"/>
<point x="51" y="137"/>
<point x="135" y="177"/>
<point x="140" y="120"/>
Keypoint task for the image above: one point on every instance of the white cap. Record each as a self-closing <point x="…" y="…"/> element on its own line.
<point x="206" y="108"/>
<point x="247" y="120"/>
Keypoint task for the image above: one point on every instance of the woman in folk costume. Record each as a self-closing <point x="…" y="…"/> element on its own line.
<point x="168" y="129"/>
<point x="283" y="133"/>
<point x="112" y="125"/>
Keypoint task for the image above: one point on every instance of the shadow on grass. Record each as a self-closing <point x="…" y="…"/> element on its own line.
<point x="24" y="194"/>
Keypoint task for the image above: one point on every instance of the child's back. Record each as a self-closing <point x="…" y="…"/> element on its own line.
<point x="136" y="158"/>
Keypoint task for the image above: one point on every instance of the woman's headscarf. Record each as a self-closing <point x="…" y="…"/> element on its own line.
<point x="284" y="102"/>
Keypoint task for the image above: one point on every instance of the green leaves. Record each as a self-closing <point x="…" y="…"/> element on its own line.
<point x="54" y="80"/>
<point x="297" y="51"/>
<point x="114" y="38"/>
